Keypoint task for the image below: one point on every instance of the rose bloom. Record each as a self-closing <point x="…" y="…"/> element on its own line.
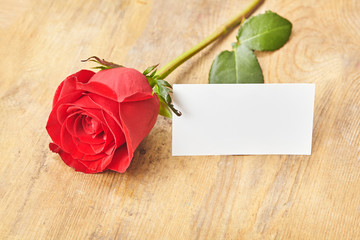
<point x="98" y="120"/>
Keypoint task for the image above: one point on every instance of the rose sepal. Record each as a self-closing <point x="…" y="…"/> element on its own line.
<point x="163" y="90"/>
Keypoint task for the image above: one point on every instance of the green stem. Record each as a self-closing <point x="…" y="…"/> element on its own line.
<point x="171" y="66"/>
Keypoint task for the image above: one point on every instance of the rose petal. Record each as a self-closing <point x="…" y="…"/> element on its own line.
<point x="138" y="118"/>
<point x="109" y="147"/>
<point x="97" y="148"/>
<point x="108" y="116"/>
<point x="89" y="158"/>
<point x="89" y="139"/>
<point x="119" y="84"/>
<point x="88" y="105"/>
<point x="98" y="165"/>
<point x="90" y="144"/>
<point x="92" y="126"/>
<point x="69" y="84"/>
<point x="74" y="126"/>
<point x="54" y="148"/>
<point x="64" y="110"/>
<point x="74" y="163"/>
<point x="67" y="143"/>
<point x="120" y="161"/>
<point x="116" y="130"/>
<point x="84" y="148"/>
<point x="111" y="123"/>
<point x="109" y="106"/>
<point x="54" y="123"/>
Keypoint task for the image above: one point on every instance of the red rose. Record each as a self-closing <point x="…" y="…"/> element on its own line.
<point x="98" y="120"/>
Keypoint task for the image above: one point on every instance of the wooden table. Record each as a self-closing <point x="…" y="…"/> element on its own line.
<point x="165" y="197"/>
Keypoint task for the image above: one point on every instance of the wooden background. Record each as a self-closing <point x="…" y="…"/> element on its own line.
<point x="165" y="197"/>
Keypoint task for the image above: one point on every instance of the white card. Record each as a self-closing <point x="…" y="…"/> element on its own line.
<point x="242" y="119"/>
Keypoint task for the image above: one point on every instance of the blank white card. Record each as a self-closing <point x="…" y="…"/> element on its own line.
<point x="236" y="119"/>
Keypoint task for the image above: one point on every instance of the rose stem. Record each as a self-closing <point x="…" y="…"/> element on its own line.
<point x="171" y="66"/>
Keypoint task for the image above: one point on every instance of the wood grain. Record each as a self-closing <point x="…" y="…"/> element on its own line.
<point x="165" y="197"/>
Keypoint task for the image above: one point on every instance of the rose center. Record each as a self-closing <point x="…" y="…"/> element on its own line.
<point x="91" y="126"/>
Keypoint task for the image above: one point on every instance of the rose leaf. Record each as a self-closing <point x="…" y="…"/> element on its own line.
<point x="264" y="32"/>
<point x="237" y="66"/>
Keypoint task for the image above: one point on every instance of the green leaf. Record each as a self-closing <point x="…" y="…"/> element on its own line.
<point x="100" y="67"/>
<point x="238" y="66"/>
<point x="150" y="69"/>
<point x="152" y="75"/>
<point x="151" y="81"/>
<point x="164" y="109"/>
<point x="223" y="68"/>
<point x="164" y="92"/>
<point x="163" y="89"/>
<point x="265" y="32"/>
<point x="103" y="63"/>
<point x="165" y="83"/>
